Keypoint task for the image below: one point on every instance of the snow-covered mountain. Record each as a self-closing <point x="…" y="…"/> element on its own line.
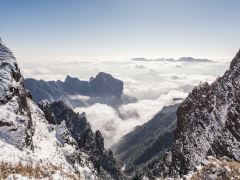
<point x="103" y="88"/>
<point x="52" y="141"/>
<point x="48" y="142"/>
<point x="208" y="124"/>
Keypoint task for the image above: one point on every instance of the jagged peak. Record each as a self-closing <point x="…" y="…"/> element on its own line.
<point x="103" y="74"/>
<point x="4" y="48"/>
<point x="9" y="74"/>
<point x="236" y="60"/>
<point x="70" y="78"/>
<point x="100" y="75"/>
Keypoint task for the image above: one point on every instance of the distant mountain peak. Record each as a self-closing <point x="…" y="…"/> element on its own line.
<point x="182" y="59"/>
<point x="70" y="78"/>
<point x="101" y="75"/>
<point x="105" y="84"/>
<point x="103" y="88"/>
<point x="104" y="74"/>
<point x="191" y="59"/>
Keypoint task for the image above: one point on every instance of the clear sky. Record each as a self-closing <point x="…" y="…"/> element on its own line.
<point x="117" y="29"/>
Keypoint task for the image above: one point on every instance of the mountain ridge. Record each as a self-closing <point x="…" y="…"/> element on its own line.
<point x="103" y="89"/>
<point x="182" y="59"/>
<point x="147" y="141"/>
<point x="208" y="124"/>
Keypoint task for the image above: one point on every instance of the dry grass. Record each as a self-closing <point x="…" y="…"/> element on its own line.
<point x="218" y="170"/>
<point x="37" y="171"/>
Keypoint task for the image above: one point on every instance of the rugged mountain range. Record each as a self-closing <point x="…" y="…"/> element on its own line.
<point x="103" y="89"/>
<point x="49" y="141"/>
<point x="147" y="141"/>
<point x="208" y="124"/>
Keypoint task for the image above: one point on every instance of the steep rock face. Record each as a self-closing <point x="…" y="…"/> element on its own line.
<point x="91" y="143"/>
<point x="15" y="127"/>
<point x="23" y="128"/>
<point x="51" y="149"/>
<point x="53" y="91"/>
<point x="151" y="139"/>
<point x="75" y="86"/>
<point x="105" y="84"/>
<point x="208" y="125"/>
<point x="103" y="89"/>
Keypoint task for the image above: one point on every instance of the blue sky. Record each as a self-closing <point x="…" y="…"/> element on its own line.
<point x="120" y="29"/>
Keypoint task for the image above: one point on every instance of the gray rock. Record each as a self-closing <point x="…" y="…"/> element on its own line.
<point x="103" y="89"/>
<point x="87" y="141"/>
<point x="208" y="124"/>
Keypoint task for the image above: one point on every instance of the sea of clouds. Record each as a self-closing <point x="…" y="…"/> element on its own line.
<point x="153" y="83"/>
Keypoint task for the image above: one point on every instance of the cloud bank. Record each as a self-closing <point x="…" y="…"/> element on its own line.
<point x="154" y="83"/>
<point x="115" y="123"/>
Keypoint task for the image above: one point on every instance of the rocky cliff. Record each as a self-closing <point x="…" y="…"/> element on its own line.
<point x="51" y="142"/>
<point x="87" y="141"/>
<point x="208" y="124"/>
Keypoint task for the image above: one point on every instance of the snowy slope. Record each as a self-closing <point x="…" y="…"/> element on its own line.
<point x="30" y="146"/>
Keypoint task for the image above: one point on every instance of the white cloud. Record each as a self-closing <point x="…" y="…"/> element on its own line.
<point x="104" y="118"/>
<point x="140" y="66"/>
<point x="153" y="83"/>
<point x="79" y="97"/>
<point x="113" y="125"/>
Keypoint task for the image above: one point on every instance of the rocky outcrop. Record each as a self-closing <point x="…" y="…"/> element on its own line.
<point x="104" y="84"/>
<point x="15" y="128"/>
<point x="103" y="89"/>
<point x="208" y="124"/>
<point x="87" y="141"/>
